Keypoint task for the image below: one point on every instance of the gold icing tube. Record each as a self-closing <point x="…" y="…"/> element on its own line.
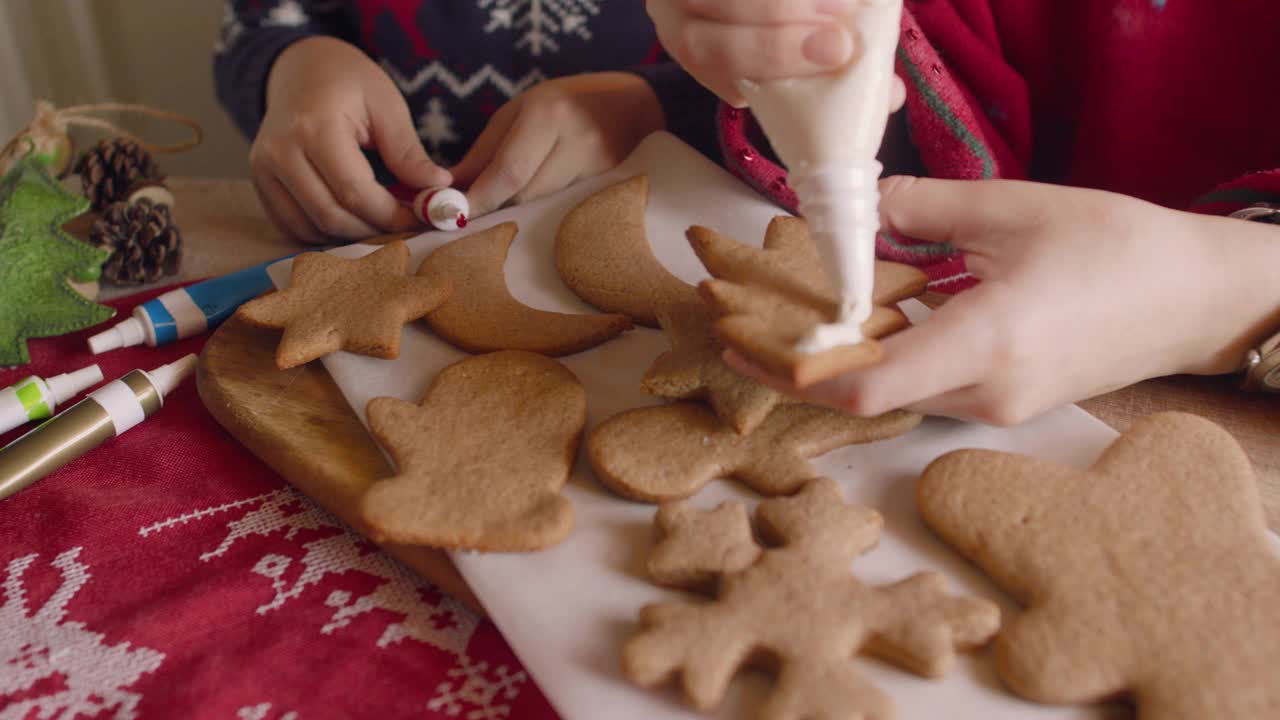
<point x="105" y="413"/>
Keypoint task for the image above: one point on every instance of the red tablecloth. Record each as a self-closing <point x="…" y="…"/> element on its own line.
<point x="169" y="573"/>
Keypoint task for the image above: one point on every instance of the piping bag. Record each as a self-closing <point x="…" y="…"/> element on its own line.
<point x="827" y="129"/>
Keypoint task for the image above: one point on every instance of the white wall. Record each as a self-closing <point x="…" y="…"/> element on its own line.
<point x="156" y="52"/>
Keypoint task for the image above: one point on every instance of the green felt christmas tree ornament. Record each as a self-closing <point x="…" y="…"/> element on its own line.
<point x="38" y="259"/>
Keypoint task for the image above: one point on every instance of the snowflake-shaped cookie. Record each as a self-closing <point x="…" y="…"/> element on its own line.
<point x="793" y="605"/>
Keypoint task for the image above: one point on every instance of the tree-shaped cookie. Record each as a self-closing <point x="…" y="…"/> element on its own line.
<point x="482" y="316"/>
<point x="693" y="369"/>
<point x="37" y="258"/>
<point x="482" y="459"/>
<point x="335" y="303"/>
<point x="769" y="299"/>
<point x="792" y="605"/>
<point x="1149" y="576"/>
<point x="670" y="452"/>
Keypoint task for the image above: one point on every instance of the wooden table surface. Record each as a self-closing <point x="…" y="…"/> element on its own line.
<point x="224" y="229"/>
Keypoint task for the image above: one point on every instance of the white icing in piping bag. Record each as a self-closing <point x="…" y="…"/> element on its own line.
<point x="827" y="130"/>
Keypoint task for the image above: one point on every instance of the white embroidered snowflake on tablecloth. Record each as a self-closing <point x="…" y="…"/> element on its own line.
<point x="474" y="693"/>
<point x="540" y="22"/>
<point x="93" y="676"/>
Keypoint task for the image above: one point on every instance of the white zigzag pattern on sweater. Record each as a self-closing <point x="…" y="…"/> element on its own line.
<point x="459" y="86"/>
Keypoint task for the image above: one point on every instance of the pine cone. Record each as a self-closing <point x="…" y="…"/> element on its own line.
<point x="110" y="168"/>
<point x="145" y="245"/>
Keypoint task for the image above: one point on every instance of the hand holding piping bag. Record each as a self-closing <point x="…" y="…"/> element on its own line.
<point x="827" y="129"/>
<point x="826" y="116"/>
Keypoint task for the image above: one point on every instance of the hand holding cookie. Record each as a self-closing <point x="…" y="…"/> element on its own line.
<point x="1082" y="292"/>
<point x="555" y="133"/>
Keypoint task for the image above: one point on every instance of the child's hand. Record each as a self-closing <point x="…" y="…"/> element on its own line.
<point x="555" y="133"/>
<point x="1082" y="292"/>
<point x="722" y="41"/>
<point x="325" y="101"/>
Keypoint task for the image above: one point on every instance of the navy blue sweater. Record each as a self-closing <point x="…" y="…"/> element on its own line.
<point x="457" y="61"/>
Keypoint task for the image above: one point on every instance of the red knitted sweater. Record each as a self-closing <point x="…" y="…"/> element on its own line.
<point x="1167" y="100"/>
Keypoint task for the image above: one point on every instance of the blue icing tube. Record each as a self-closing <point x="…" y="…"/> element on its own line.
<point x="187" y="311"/>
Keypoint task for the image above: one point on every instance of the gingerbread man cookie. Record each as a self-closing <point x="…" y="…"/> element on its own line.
<point x="670" y="452"/>
<point x="1149" y="576"/>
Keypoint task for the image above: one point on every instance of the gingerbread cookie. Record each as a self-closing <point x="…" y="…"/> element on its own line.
<point x="789" y="263"/>
<point x="770" y="298"/>
<point x="792" y="606"/>
<point x="482" y="316"/>
<point x="693" y="369"/>
<point x="334" y="303"/>
<point x="603" y="255"/>
<point x="1149" y="576"/>
<point x="765" y="327"/>
<point x="482" y="459"/>
<point x="670" y="452"/>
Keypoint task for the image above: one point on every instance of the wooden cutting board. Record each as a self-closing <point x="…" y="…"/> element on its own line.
<point x="298" y="422"/>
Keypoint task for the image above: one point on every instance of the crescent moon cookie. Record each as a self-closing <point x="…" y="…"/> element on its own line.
<point x="603" y="255"/>
<point x="335" y="303"/>
<point x="482" y="316"/>
<point x="482" y="458"/>
<point x="1150" y="576"/>
<point x="769" y="299"/>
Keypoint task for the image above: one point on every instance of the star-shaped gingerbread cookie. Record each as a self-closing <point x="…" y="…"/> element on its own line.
<point x="1150" y="576"/>
<point x="335" y="303"/>
<point x="694" y="369"/>
<point x="769" y="299"/>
